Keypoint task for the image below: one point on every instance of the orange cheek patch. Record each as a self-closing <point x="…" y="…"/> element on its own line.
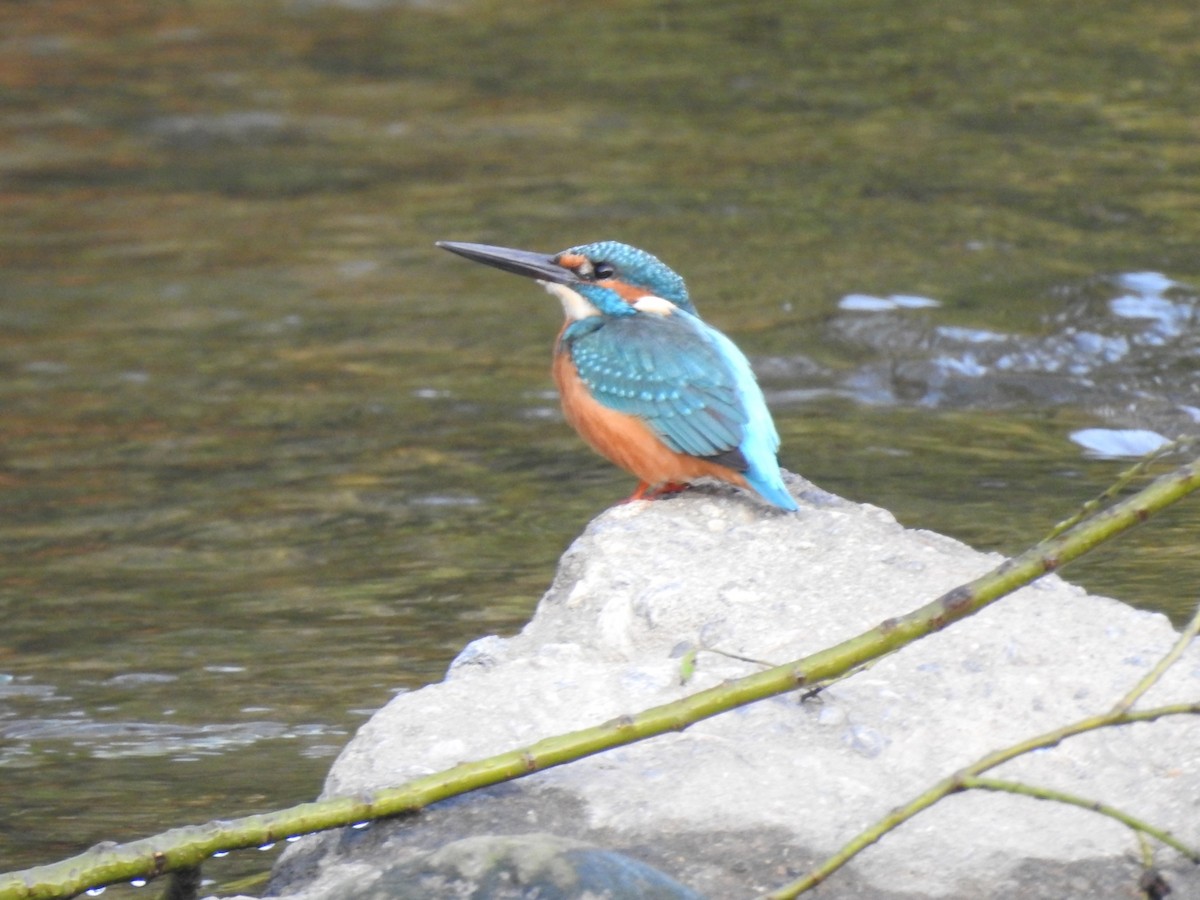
<point x="628" y="293"/>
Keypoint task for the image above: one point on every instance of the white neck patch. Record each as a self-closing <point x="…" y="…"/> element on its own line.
<point x="657" y="306"/>
<point x="574" y="304"/>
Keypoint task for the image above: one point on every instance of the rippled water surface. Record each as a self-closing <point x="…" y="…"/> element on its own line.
<point x="269" y="457"/>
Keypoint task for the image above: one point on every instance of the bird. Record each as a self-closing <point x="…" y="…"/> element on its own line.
<point x="642" y="378"/>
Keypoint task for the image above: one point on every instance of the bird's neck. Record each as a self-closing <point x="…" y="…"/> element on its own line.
<point x="574" y="329"/>
<point x="574" y="304"/>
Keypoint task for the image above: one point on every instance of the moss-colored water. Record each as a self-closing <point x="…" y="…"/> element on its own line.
<point x="268" y="456"/>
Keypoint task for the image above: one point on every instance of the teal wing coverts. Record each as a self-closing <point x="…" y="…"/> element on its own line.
<point x="668" y="371"/>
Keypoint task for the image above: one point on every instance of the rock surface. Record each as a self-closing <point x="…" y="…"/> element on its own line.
<point x="744" y="802"/>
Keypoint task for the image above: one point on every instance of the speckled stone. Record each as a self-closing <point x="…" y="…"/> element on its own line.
<point x="746" y="801"/>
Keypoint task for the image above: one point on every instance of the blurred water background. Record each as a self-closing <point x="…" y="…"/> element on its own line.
<point x="268" y="457"/>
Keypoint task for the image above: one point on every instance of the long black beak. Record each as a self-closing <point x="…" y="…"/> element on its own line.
<point x="519" y="262"/>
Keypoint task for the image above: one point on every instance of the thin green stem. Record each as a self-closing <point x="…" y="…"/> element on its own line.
<point x="1189" y="632"/>
<point x="1123" y="480"/>
<point x="959" y="781"/>
<point x="1146" y="851"/>
<point x="1139" y="826"/>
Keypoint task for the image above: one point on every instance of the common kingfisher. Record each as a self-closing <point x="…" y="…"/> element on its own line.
<point x="642" y="378"/>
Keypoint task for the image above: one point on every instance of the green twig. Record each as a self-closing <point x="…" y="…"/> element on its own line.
<point x="1139" y="826"/>
<point x="1145" y="851"/>
<point x="1123" y="480"/>
<point x="958" y="782"/>
<point x="1190" y="630"/>
<point x="1120" y="714"/>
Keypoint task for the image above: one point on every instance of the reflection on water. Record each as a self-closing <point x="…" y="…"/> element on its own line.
<point x="268" y="457"/>
<point x="1122" y="347"/>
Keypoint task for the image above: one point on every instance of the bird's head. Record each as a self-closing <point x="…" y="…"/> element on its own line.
<point x="606" y="278"/>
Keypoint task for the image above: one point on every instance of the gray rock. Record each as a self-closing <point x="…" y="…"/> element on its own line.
<point x="516" y="867"/>
<point x="746" y="801"/>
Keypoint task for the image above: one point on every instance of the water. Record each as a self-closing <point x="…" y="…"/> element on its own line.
<point x="269" y="457"/>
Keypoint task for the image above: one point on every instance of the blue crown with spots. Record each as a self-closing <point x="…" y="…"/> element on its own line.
<point x="634" y="267"/>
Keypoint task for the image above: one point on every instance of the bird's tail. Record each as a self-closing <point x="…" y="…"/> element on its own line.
<point x="770" y="486"/>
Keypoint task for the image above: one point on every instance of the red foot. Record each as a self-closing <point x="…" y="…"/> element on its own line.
<point x="644" y="492"/>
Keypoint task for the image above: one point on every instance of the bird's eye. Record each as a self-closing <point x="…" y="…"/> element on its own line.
<point x="604" y="270"/>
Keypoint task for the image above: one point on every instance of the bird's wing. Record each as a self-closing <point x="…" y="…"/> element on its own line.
<point x="669" y="371"/>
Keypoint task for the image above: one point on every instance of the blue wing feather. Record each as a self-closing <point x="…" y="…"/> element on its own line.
<point x="666" y="370"/>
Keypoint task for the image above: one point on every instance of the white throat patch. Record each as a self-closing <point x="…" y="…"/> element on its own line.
<point x="574" y="305"/>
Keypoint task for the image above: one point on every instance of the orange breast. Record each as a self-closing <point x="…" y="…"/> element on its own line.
<point x="626" y="440"/>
